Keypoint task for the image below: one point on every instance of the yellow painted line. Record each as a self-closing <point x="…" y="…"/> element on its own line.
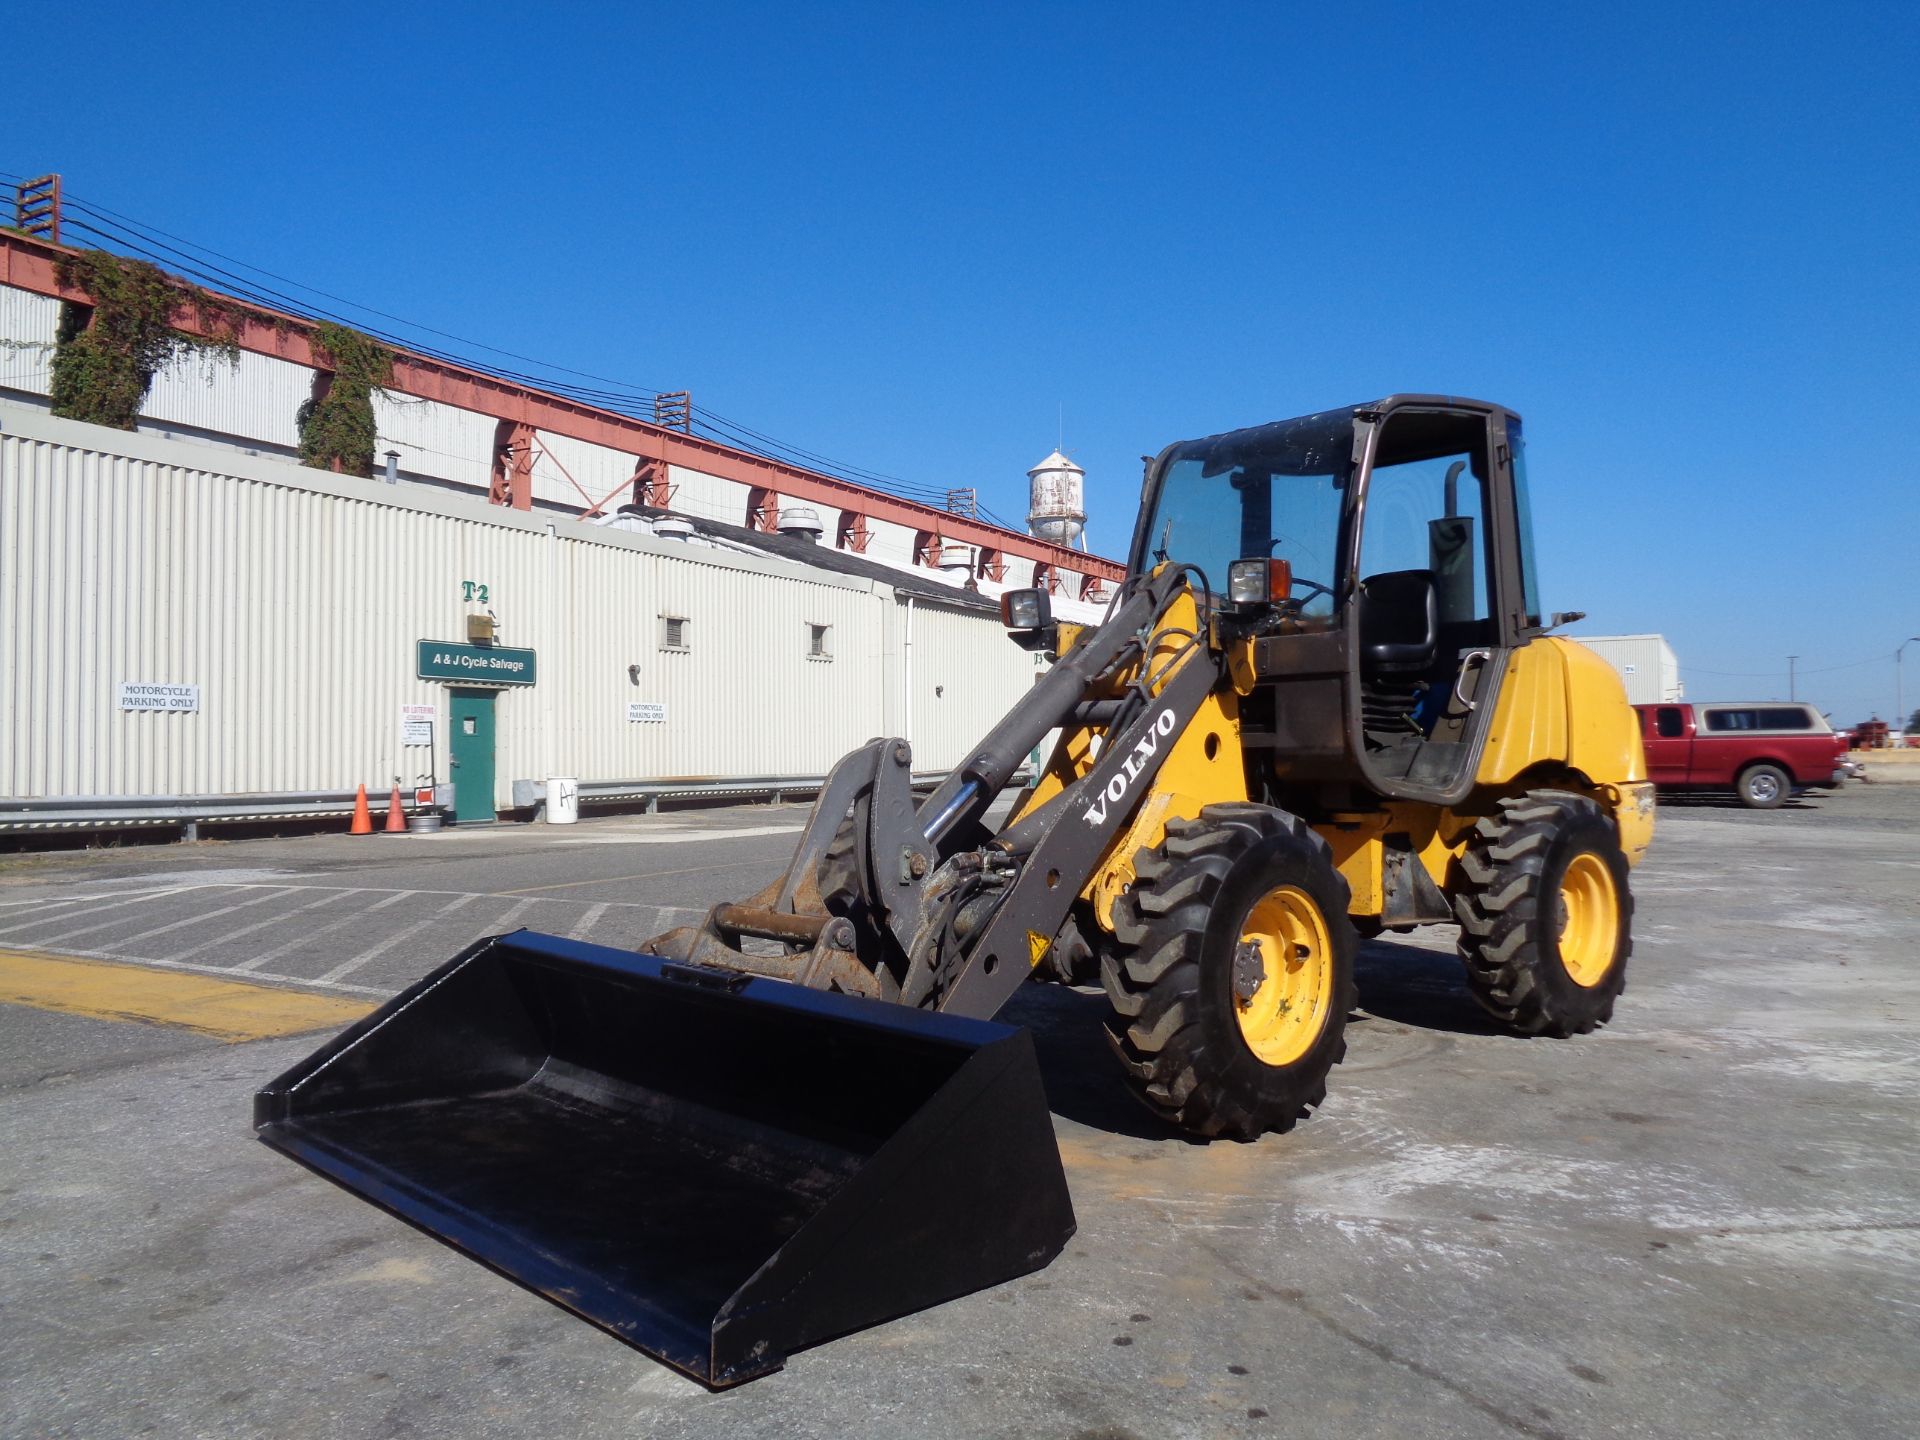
<point x="225" y="1009"/>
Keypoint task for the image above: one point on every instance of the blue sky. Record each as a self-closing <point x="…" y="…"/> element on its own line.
<point x="1681" y="241"/>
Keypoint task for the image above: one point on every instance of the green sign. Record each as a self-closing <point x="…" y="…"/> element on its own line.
<point x="474" y="664"/>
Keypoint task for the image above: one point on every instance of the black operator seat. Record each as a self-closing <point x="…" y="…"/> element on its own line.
<point x="1399" y="621"/>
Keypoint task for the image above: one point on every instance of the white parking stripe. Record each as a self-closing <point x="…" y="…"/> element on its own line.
<point x="663" y="914"/>
<point x="89" y="896"/>
<point x="586" y="922"/>
<point x="458" y="939"/>
<point x="97" y="910"/>
<point x="683" y="837"/>
<point x="468" y="895"/>
<point x="346" y="968"/>
<point x="311" y="935"/>
<point x="47" y="904"/>
<point x="268" y="923"/>
<point x="223" y="910"/>
<point x="505" y="922"/>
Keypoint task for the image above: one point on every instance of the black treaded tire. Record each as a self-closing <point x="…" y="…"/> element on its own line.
<point x="1763" y="787"/>
<point x="1509" y="913"/>
<point x="1168" y="971"/>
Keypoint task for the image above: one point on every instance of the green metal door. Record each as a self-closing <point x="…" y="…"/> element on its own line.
<point x="470" y="726"/>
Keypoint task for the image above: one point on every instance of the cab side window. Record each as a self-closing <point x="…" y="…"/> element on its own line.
<point x="1667" y="722"/>
<point x="1426" y="510"/>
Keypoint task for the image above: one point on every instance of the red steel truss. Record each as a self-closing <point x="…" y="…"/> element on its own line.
<point x="29" y="264"/>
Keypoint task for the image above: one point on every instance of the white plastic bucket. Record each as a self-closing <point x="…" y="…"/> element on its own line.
<point x="563" y="800"/>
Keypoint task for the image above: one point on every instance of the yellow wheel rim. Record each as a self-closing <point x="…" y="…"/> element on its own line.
<point x="1282" y="1005"/>
<point x="1589" y="919"/>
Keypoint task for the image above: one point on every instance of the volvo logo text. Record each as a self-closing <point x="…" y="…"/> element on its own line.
<point x="1117" y="787"/>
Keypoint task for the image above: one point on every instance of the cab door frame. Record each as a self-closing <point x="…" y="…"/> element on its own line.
<point x="1512" y="625"/>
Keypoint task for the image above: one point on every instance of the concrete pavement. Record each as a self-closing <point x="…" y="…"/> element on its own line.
<point x="1701" y="1221"/>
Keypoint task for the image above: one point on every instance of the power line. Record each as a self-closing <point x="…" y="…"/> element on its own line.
<point x="144" y="243"/>
<point x="102" y="211"/>
<point x="1774" y="674"/>
<point x="193" y="263"/>
<point x="272" y="299"/>
<point x="872" y="474"/>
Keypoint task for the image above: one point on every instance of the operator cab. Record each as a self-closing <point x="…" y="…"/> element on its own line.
<point x="1380" y="557"/>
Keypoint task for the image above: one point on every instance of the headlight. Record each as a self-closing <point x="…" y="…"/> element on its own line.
<point x="1258" y="581"/>
<point x="1025" y="610"/>
<point x="1247" y="582"/>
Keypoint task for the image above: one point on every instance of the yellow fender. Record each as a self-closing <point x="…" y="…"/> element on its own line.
<point x="1562" y="705"/>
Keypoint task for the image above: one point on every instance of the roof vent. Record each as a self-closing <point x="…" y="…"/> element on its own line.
<point x="672" y="527"/>
<point x="802" y="522"/>
<point x="954" y="558"/>
<point x="629" y="518"/>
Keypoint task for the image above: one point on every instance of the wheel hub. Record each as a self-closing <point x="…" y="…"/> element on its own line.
<point x="1283" y="976"/>
<point x="1588" y="915"/>
<point x="1249" y="969"/>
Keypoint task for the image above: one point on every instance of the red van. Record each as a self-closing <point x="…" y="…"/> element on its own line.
<point x="1763" y="751"/>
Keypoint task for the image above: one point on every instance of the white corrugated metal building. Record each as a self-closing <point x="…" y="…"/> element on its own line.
<point x="1646" y="664"/>
<point x="185" y="613"/>
<point x="286" y="608"/>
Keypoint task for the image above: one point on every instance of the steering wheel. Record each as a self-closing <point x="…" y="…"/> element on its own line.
<point x="1314" y="587"/>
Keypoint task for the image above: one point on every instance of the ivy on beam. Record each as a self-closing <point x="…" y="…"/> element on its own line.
<point x="106" y="353"/>
<point x="337" y="429"/>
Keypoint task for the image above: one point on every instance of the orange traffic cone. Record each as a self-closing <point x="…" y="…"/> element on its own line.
<point x="362" y="820"/>
<point x="396" y="816"/>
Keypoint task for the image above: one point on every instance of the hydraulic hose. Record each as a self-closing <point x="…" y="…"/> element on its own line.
<point x="1050" y="703"/>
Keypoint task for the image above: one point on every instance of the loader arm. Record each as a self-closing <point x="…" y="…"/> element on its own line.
<point x="1075" y="836"/>
<point x="923" y="905"/>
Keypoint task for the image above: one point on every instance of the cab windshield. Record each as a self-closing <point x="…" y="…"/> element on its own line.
<point x="1274" y="490"/>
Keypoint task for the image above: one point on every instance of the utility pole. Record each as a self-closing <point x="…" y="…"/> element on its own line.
<point x="1790" y="687"/>
<point x="1899" y="690"/>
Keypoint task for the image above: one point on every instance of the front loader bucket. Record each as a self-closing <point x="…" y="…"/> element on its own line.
<point x="719" y="1170"/>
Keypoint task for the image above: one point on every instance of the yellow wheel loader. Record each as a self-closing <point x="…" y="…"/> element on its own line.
<point x="1323" y="704"/>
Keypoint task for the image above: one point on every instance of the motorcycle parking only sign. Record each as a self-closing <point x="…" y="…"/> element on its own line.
<point x="172" y="699"/>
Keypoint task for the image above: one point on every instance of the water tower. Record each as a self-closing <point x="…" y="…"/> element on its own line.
<point x="1058" y="508"/>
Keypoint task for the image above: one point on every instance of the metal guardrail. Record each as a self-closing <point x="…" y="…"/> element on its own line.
<point x="128" y="812"/>
<point x="125" y="812"/>
<point x="528" y="794"/>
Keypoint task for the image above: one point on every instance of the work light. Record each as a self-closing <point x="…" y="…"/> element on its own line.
<point x="1025" y="610"/>
<point x="1258" y="581"/>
